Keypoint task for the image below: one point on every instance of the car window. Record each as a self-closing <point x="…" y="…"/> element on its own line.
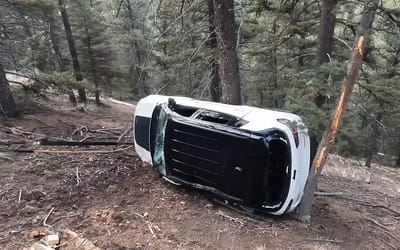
<point x="218" y="117"/>
<point x="142" y="125"/>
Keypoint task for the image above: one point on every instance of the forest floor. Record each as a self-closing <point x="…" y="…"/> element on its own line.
<point x="116" y="202"/>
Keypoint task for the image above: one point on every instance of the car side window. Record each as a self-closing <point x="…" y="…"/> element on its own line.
<point x="218" y="117"/>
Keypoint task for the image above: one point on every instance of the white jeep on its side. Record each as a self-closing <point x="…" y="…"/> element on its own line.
<point x="252" y="158"/>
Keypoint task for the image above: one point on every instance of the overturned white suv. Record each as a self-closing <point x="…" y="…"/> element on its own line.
<point x="252" y="158"/>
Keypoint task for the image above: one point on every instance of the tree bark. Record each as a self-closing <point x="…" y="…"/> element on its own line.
<point x="55" y="42"/>
<point x="326" y="31"/>
<point x="373" y="141"/>
<point x="7" y="103"/>
<point x="361" y="41"/>
<point x="215" y="86"/>
<point x="72" y="49"/>
<point x="227" y="55"/>
<point x="397" y="164"/>
<point x="325" y="43"/>
<point x="93" y="66"/>
<point x="137" y="74"/>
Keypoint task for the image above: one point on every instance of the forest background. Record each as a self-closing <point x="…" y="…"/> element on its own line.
<point x="290" y="55"/>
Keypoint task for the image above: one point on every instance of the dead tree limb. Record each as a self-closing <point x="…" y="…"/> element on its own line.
<point x="377" y="205"/>
<point x="353" y="69"/>
<point x="56" y="142"/>
<point x="329" y="194"/>
<point x="384" y="228"/>
<point x="83" y="151"/>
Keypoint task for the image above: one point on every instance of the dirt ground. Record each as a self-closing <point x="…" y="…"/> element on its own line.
<point x="115" y="201"/>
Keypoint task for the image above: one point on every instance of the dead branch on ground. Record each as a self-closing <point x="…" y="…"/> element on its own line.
<point x="82" y="151"/>
<point x="378" y="205"/>
<point x="47" y="217"/>
<point x="124" y="133"/>
<point x="325" y="240"/>
<point x="41" y="122"/>
<point x="328" y="194"/>
<point x="384" y="228"/>
<point x="237" y="220"/>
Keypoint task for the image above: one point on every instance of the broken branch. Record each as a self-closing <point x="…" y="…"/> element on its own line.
<point x="328" y="194"/>
<point x="78" y="179"/>
<point x="83" y="151"/>
<point x="47" y="217"/>
<point x="237" y="220"/>
<point x="326" y="240"/>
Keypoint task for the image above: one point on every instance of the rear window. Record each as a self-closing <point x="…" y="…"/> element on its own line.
<point x="142" y="129"/>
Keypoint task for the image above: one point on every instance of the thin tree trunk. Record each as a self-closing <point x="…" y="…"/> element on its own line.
<point x="71" y="96"/>
<point x="397" y="165"/>
<point x="82" y="94"/>
<point x="7" y="103"/>
<point x="133" y="73"/>
<point x="93" y="66"/>
<point x="57" y="52"/>
<point x="215" y="87"/>
<point x="274" y="68"/>
<point x="369" y="159"/>
<point x="72" y="49"/>
<point x="55" y="42"/>
<point x="362" y="39"/>
<point x="227" y="55"/>
<point x="373" y="141"/>
<point x="139" y="85"/>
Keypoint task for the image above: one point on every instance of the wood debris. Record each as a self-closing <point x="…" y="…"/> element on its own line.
<point x="65" y="239"/>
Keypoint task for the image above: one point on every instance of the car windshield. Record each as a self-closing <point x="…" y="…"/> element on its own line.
<point x="158" y="156"/>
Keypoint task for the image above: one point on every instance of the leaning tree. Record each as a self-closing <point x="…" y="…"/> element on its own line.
<point x="353" y="69"/>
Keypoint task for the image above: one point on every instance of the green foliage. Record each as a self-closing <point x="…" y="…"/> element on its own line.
<point x="138" y="47"/>
<point x="64" y="80"/>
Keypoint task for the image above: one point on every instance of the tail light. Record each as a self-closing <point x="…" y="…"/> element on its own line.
<point x="293" y="127"/>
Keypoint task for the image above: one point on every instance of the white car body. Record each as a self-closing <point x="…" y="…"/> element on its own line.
<point x="286" y="127"/>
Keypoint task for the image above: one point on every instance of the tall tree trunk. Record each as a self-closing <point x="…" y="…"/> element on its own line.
<point x="7" y="103"/>
<point x="326" y="31"/>
<point x="137" y="73"/>
<point x="274" y="69"/>
<point x="93" y="66"/>
<point x="55" y="41"/>
<point x="215" y="87"/>
<point x="227" y="55"/>
<point x="362" y="39"/>
<point x="72" y="49"/>
<point x="325" y="43"/>
<point x="397" y="164"/>
<point x="133" y="73"/>
<point x="57" y="52"/>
